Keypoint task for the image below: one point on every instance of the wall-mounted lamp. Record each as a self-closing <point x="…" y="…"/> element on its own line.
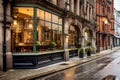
<point x="14" y="22"/>
<point x="106" y="22"/>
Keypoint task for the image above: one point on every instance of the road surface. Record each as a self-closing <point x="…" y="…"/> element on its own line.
<point x="104" y="68"/>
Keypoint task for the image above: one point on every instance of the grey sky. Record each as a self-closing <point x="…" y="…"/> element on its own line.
<point x="117" y="4"/>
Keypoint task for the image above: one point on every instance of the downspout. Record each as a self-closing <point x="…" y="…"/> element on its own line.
<point x="4" y="36"/>
<point x="99" y="28"/>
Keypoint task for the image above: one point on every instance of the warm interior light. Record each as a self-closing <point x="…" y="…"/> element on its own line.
<point x="86" y="36"/>
<point x="14" y="22"/>
<point x="30" y="25"/>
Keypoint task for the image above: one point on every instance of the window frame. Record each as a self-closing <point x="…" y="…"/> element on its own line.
<point x="35" y="7"/>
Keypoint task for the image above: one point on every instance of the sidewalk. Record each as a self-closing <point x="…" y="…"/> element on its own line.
<point x="25" y="74"/>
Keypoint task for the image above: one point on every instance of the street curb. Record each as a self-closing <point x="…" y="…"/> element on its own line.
<point x="91" y="58"/>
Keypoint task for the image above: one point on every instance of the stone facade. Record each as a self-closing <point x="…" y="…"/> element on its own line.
<point x="8" y="35"/>
<point x="77" y="13"/>
<point x="1" y="25"/>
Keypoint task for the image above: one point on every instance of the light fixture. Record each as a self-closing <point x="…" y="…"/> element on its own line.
<point x="30" y="26"/>
<point x="106" y="22"/>
<point x="14" y="22"/>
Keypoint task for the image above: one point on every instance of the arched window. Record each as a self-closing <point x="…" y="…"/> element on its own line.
<point x="67" y="5"/>
<point x="73" y="37"/>
<point x="88" y="38"/>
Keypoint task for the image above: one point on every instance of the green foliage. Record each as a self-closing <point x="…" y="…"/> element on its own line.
<point x="53" y="44"/>
<point x="89" y="49"/>
<point x="38" y="43"/>
<point x="81" y="50"/>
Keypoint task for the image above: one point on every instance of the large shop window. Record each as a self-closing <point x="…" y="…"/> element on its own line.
<point x="48" y="30"/>
<point x="22" y="30"/>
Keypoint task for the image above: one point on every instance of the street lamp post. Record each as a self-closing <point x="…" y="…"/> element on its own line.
<point x="4" y="35"/>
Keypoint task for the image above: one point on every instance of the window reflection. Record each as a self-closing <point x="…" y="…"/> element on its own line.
<point x="54" y="18"/>
<point x="49" y="30"/>
<point x="40" y="14"/>
<point x="47" y="16"/>
<point x="49" y="33"/>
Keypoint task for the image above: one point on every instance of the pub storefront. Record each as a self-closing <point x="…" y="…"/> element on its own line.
<point x="37" y="37"/>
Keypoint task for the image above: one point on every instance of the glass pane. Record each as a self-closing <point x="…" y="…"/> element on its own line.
<point x="60" y="28"/>
<point x="48" y="25"/>
<point x="40" y="14"/>
<point x="49" y="33"/>
<point x="57" y="35"/>
<point x="43" y="39"/>
<point x="22" y="30"/>
<point x="73" y="37"/>
<point x="60" y="20"/>
<point x="54" y="18"/>
<point x="54" y="27"/>
<point x="42" y="23"/>
<point x="59" y="39"/>
<point x="47" y="16"/>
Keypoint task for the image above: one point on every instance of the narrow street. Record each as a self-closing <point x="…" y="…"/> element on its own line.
<point x="93" y="70"/>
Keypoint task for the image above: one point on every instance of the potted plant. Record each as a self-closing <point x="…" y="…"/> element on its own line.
<point x="89" y="51"/>
<point x="38" y="43"/>
<point x="52" y="45"/>
<point x="81" y="52"/>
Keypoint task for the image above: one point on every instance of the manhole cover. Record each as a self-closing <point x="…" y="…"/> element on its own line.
<point x="109" y="77"/>
<point x="64" y="64"/>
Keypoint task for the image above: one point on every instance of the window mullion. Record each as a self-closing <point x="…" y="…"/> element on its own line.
<point x="35" y="30"/>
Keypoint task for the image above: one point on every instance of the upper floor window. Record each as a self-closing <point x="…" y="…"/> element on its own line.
<point x="81" y="7"/>
<point x="67" y="4"/>
<point x="75" y="6"/>
<point x="103" y="11"/>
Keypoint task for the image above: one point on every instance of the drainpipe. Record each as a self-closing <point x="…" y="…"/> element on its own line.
<point x="99" y="28"/>
<point x="4" y="36"/>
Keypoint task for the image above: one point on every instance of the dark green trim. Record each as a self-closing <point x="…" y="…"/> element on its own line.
<point x="39" y="53"/>
<point x="37" y="6"/>
<point x="63" y="32"/>
<point x="50" y="21"/>
<point x="35" y="26"/>
<point x="73" y="49"/>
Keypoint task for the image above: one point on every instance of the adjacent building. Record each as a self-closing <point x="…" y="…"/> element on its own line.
<point x="105" y="21"/>
<point x="117" y="28"/>
<point x="42" y="32"/>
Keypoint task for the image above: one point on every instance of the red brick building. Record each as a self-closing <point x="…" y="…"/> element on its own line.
<point x="105" y="22"/>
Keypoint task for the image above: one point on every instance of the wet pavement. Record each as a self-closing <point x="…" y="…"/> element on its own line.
<point x="104" y="68"/>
